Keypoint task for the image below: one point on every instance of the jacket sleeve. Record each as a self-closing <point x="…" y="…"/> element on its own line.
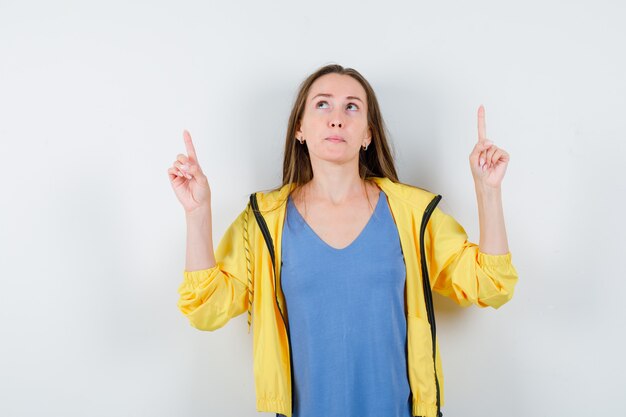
<point x="459" y="270"/>
<point x="211" y="297"/>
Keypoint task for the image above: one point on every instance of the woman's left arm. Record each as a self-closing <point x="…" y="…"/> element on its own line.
<point x="468" y="273"/>
<point x="488" y="164"/>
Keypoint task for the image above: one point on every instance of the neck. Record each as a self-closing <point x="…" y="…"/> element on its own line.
<point x="336" y="183"/>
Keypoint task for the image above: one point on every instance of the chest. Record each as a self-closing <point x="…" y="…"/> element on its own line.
<point x="338" y="227"/>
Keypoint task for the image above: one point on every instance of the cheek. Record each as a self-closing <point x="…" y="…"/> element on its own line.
<point x="363" y="127"/>
<point x="312" y="122"/>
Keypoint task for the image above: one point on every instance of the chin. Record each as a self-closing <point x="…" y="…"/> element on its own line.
<point x="337" y="157"/>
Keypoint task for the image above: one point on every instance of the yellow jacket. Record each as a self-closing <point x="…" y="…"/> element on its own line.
<point x="243" y="280"/>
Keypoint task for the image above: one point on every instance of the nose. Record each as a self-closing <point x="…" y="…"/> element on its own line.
<point x="335" y="121"/>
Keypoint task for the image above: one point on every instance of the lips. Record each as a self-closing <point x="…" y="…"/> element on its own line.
<point x="335" y="138"/>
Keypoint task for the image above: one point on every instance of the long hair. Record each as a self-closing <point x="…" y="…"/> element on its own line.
<point x="377" y="161"/>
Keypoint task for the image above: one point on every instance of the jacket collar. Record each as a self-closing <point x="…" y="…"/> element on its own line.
<point x="413" y="196"/>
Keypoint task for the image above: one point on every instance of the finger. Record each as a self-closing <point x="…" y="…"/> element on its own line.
<point x="482" y="126"/>
<point x="495" y="158"/>
<point x="501" y="156"/>
<point x="174" y="173"/>
<point x="489" y="154"/>
<point x="182" y="166"/>
<point x="191" y="151"/>
<point x="478" y="152"/>
<point x="184" y="170"/>
<point x="182" y="158"/>
<point x="183" y="162"/>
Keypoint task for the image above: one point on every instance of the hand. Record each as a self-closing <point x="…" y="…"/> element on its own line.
<point x="487" y="161"/>
<point x="188" y="181"/>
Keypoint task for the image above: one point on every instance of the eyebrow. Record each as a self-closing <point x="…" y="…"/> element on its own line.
<point x="330" y="95"/>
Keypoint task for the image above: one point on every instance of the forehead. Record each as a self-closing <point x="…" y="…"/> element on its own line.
<point x="339" y="85"/>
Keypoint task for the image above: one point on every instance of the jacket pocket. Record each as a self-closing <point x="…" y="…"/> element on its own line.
<point x="420" y="363"/>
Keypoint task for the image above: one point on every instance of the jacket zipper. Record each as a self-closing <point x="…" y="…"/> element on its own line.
<point x="270" y="246"/>
<point x="428" y="298"/>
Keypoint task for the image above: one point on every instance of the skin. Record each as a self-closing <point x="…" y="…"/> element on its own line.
<point x="488" y="164"/>
<point x="336" y="203"/>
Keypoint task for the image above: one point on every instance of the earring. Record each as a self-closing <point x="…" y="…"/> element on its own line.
<point x="365" y="147"/>
<point x="301" y="141"/>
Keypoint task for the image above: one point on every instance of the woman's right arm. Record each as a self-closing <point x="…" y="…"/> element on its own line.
<point x="211" y="296"/>
<point x="215" y="284"/>
<point x="192" y="189"/>
<point x="199" y="240"/>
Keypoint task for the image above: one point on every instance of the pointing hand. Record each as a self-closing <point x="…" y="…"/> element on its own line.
<point x="487" y="161"/>
<point x="187" y="179"/>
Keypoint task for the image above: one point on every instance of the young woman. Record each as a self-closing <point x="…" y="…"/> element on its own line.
<point x="337" y="264"/>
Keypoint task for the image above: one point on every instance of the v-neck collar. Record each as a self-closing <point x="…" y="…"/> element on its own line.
<point x="355" y="241"/>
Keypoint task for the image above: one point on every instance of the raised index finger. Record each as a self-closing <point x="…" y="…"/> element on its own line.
<point x="191" y="151"/>
<point x="482" y="127"/>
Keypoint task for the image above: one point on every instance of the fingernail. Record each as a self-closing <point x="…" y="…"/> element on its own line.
<point x="488" y="142"/>
<point x="482" y="162"/>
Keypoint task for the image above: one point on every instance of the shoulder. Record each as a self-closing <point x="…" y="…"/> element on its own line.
<point x="405" y="195"/>
<point x="273" y="199"/>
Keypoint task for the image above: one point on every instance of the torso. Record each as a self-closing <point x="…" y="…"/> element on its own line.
<point x="338" y="225"/>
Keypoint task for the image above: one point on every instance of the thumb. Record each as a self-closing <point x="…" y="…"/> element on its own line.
<point x="480" y="147"/>
<point x="195" y="170"/>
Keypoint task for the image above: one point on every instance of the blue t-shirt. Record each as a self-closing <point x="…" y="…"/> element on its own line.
<point x="347" y="319"/>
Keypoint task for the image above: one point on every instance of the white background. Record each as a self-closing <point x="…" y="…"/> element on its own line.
<point x="93" y="102"/>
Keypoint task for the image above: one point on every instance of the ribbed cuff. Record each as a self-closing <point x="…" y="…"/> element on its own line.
<point x="195" y="278"/>
<point x="494" y="260"/>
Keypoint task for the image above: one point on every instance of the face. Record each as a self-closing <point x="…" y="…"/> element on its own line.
<point x="334" y="124"/>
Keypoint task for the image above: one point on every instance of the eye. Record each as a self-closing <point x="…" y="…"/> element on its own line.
<point x="356" y="107"/>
